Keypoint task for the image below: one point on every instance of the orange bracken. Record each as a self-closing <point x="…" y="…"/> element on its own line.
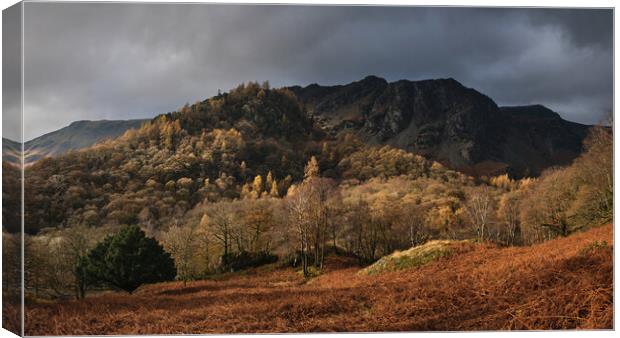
<point x="565" y="283"/>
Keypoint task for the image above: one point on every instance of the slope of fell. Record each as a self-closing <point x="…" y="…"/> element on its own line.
<point x="564" y="283"/>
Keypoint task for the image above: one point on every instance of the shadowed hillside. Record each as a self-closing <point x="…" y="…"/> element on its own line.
<point x="447" y="122"/>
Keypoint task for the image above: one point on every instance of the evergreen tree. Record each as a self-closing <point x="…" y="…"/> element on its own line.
<point x="127" y="260"/>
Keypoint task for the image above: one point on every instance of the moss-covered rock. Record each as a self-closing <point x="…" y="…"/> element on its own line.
<point x="413" y="258"/>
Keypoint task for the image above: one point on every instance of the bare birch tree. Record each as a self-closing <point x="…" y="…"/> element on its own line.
<point x="478" y="208"/>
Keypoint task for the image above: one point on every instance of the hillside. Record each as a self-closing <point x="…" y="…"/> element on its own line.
<point x="440" y="119"/>
<point x="213" y="150"/>
<point x="206" y="151"/>
<point x="217" y="148"/>
<point x="77" y="135"/>
<point x="447" y="122"/>
<point x="564" y="283"/>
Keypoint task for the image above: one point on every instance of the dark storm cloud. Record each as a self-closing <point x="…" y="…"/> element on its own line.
<point x="119" y="61"/>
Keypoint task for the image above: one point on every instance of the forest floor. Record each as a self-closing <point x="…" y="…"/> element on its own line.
<point x="560" y="284"/>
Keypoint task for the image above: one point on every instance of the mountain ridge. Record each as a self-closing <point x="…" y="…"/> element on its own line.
<point x="440" y="119"/>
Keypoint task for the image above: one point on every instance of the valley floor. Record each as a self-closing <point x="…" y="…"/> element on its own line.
<point x="561" y="284"/>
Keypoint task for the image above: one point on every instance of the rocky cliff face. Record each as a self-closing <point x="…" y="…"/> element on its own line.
<point x="445" y="121"/>
<point x="536" y="138"/>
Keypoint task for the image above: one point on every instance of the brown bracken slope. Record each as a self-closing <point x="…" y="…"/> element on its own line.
<point x="561" y="284"/>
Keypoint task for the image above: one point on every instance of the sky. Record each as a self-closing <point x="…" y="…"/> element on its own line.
<point x="122" y="61"/>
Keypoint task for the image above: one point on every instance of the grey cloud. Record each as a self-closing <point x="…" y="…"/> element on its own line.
<point x="595" y="28"/>
<point x="120" y="61"/>
<point x="11" y="75"/>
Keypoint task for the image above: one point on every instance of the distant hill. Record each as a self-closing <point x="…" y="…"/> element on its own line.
<point x="448" y="122"/>
<point x="77" y="135"/>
